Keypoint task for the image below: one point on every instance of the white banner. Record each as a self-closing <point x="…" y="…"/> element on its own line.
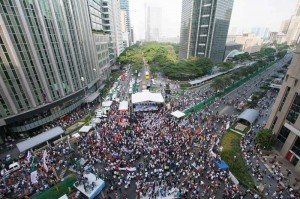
<point x="33" y="177"/>
<point x="233" y="178"/>
<point x="44" y="160"/>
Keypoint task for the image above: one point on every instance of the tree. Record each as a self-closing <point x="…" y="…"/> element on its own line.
<point x="265" y="138"/>
<point x="153" y="69"/>
<point x="218" y="83"/>
<point x="281" y="54"/>
<point x="225" y="66"/>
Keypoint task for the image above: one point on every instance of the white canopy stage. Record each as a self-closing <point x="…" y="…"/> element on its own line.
<point x="147" y="96"/>
<point x="147" y="101"/>
<point x="123" y="106"/>
<point x="39" y="139"/>
<point x="106" y="103"/>
<point x="178" y="114"/>
<point x="85" y="129"/>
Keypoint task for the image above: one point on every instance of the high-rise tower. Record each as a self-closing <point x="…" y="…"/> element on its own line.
<point x="124" y="5"/>
<point x="153" y="23"/>
<point x="48" y="61"/>
<point x="204" y="28"/>
<point x="284" y="120"/>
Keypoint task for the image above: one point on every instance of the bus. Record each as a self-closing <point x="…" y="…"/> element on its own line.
<point x="147" y="75"/>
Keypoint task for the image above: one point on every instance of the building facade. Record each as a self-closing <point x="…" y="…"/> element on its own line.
<point x="153" y="23"/>
<point x="125" y="33"/>
<point x="291" y="27"/>
<point x="124" y="5"/>
<point x="284" y="120"/>
<point x="112" y="26"/>
<point x="249" y="41"/>
<point x="48" y="61"/>
<point x="277" y="38"/>
<point x="204" y="28"/>
<point x="293" y="32"/>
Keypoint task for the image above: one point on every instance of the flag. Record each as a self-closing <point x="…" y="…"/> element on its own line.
<point x="32" y="163"/>
<point x="44" y="161"/>
<point x="28" y="156"/>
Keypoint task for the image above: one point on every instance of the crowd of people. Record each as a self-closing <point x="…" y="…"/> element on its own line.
<point x="153" y="154"/>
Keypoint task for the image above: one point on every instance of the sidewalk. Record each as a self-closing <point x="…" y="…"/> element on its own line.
<point x="293" y="179"/>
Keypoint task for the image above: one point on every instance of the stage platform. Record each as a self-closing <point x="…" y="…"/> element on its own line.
<point x="88" y="191"/>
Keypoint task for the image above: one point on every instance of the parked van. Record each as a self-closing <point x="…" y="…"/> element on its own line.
<point x="11" y="168"/>
<point x="14" y="167"/>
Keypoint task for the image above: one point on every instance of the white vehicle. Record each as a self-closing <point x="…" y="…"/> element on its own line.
<point x="11" y="168"/>
<point x="14" y="167"/>
<point x="130" y="90"/>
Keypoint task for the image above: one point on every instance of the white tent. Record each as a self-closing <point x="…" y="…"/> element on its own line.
<point x="178" y="114"/>
<point x="85" y="129"/>
<point x="147" y="96"/>
<point x="123" y="106"/>
<point x="76" y="135"/>
<point x="106" y="103"/>
<point x="96" y="120"/>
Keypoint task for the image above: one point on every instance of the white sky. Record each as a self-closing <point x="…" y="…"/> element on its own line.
<point x="246" y="14"/>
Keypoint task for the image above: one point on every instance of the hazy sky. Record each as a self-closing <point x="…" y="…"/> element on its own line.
<point x="246" y="14"/>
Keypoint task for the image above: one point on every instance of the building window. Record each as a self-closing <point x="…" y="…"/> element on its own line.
<point x="296" y="147"/>
<point x="284" y="97"/>
<point x="294" y="110"/>
<point x="274" y="122"/>
<point x="283" y="134"/>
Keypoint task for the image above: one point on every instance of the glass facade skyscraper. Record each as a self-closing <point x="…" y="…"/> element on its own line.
<point x="124" y="5"/>
<point x="204" y="28"/>
<point x="48" y="60"/>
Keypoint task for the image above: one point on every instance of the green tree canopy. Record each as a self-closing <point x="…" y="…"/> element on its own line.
<point x="265" y="138"/>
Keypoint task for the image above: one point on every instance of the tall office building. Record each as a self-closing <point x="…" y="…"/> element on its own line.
<point x="284" y="26"/>
<point x="293" y="32"/>
<point x="284" y="120"/>
<point x="125" y="33"/>
<point x="48" y="61"/>
<point x="112" y="26"/>
<point x="204" y="28"/>
<point x="124" y="5"/>
<point x="101" y="39"/>
<point x="153" y="23"/>
<point x="291" y="27"/>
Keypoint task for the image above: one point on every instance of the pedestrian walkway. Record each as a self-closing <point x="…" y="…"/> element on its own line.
<point x="274" y="158"/>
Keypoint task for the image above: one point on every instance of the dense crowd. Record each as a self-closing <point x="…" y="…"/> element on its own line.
<point x="153" y="154"/>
